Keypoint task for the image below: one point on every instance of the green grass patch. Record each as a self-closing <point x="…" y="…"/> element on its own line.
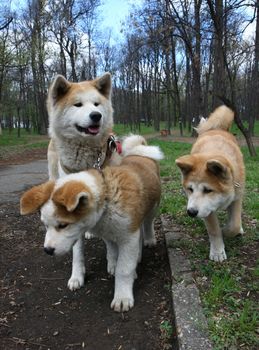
<point x="8" y="139"/>
<point x="228" y="290"/>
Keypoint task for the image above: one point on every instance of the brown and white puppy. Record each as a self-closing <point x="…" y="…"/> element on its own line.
<point x="115" y="204"/>
<point x="213" y="177"/>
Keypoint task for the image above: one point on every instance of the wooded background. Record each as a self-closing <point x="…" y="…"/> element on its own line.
<point x="176" y="61"/>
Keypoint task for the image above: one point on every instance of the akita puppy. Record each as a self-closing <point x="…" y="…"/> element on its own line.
<point x="116" y="204"/>
<point x="80" y="124"/>
<point x="213" y="177"/>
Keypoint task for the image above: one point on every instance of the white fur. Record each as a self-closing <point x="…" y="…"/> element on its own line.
<point x="135" y="145"/>
<point x="206" y="204"/>
<point x="122" y="248"/>
<point x="62" y="122"/>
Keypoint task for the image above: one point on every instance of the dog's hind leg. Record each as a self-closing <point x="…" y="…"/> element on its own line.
<point x="148" y="228"/>
<point x="77" y="278"/>
<point x="217" y="248"/>
<point x="112" y="256"/>
<point x="234" y="225"/>
<point x="125" y="272"/>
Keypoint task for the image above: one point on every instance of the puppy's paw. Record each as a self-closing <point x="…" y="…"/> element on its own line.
<point x="88" y="235"/>
<point x="151" y="242"/>
<point x="122" y="304"/>
<point x="232" y="231"/>
<point x="111" y="266"/>
<point x="76" y="282"/>
<point x="218" y="256"/>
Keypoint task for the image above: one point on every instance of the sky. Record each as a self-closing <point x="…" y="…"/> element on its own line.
<point x="114" y="12"/>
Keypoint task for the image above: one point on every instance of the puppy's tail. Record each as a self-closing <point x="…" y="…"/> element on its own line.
<point x="136" y="145"/>
<point x="221" y="118"/>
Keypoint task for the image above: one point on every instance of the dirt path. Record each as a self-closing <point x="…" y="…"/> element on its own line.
<point x="37" y="311"/>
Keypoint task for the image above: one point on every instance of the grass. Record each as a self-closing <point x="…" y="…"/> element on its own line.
<point x="123" y="129"/>
<point x="11" y="144"/>
<point x="229" y="290"/>
<point x="26" y="139"/>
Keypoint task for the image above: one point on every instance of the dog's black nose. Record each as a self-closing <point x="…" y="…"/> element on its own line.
<point x="192" y="212"/>
<point x="95" y="116"/>
<point x="49" y="250"/>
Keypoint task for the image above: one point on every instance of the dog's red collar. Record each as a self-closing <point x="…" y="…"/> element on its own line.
<point x="113" y="145"/>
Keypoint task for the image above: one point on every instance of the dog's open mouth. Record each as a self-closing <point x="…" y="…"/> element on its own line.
<point x="91" y="130"/>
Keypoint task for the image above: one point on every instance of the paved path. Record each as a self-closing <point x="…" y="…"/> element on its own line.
<point x="18" y="178"/>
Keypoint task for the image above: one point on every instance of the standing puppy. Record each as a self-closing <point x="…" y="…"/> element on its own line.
<point x="213" y="177"/>
<point x="115" y="204"/>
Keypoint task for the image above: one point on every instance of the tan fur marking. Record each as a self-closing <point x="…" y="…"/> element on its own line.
<point x="199" y="172"/>
<point x="135" y="187"/>
<point x="33" y="199"/>
<point x="66" y="201"/>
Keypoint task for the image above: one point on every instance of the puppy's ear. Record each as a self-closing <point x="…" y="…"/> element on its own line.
<point x="34" y="198"/>
<point x="58" y="89"/>
<point x="104" y="85"/>
<point x="72" y="195"/>
<point x="185" y="163"/>
<point x="219" y="167"/>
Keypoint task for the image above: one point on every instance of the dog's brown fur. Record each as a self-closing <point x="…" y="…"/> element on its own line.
<point x="216" y="166"/>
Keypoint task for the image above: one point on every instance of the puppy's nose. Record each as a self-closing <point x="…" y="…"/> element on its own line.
<point x="192" y="212"/>
<point x="95" y="116"/>
<point x="49" y="250"/>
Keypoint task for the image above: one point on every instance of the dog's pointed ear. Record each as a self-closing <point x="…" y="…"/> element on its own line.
<point x="185" y="163"/>
<point x="58" y="89"/>
<point x="104" y="85"/>
<point x="72" y="195"/>
<point x="219" y="167"/>
<point x="33" y="199"/>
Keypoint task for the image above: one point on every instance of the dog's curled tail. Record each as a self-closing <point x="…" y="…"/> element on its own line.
<point x="221" y="118"/>
<point x="136" y="145"/>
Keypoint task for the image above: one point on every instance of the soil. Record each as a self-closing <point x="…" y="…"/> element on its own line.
<point x="38" y="311"/>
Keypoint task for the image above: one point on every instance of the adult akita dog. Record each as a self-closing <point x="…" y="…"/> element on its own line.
<point x="117" y="204"/>
<point x="80" y="125"/>
<point x="213" y="177"/>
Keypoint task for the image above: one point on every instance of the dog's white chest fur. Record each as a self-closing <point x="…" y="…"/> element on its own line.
<point x="75" y="156"/>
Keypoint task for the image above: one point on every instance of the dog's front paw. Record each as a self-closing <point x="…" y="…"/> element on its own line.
<point x="122" y="304"/>
<point x="218" y="256"/>
<point x="76" y="282"/>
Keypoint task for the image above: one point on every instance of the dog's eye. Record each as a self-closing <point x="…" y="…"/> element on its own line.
<point x="62" y="226"/>
<point x="207" y="190"/>
<point x="78" y="104"/>
<point x="190" y="189"/>
<point x="96" y="104"/>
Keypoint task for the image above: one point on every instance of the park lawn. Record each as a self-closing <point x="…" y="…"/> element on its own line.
<point x="229" y="290"/>
<point x="11" y="145"/>
<point x="26" y="139"/>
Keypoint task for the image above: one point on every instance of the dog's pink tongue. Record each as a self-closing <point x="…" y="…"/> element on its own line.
<point x="93" y="129"/>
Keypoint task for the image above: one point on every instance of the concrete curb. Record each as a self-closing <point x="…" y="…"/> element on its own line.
<point x="191" y="323"/>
